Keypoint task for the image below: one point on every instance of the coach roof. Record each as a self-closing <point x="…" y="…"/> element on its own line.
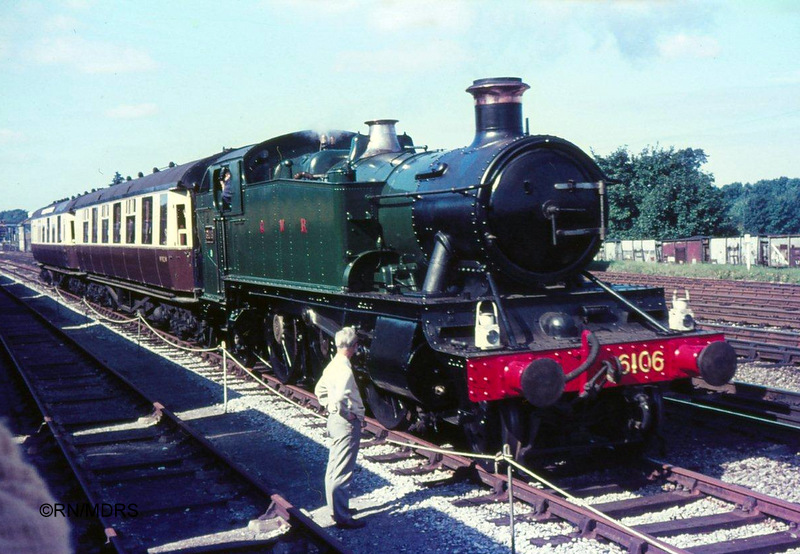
<point x="185" y="176"/>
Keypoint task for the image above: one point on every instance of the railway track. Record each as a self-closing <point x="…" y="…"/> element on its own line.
<point x="155" y="484"/>
<point x="20" y="415"/>
<point x="604" y="521"/>
<point x="420" y="458"/>
<point x="760" y="292"/>
<point x="734" y="307"/>
<point x="751" y="343"/>
<point x="761" y="404"/>
<point x="601" y="521"/>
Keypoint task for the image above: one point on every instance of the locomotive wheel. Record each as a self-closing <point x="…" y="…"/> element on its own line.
<point x="514" y="430"/>
<point x="389" y="409"/>
<point x="282" y="347"/>
<point x="645" y="428"/>
<point x="321" y="352"/>
<point x="239" y="346"/>
<point x="482" y="429"/>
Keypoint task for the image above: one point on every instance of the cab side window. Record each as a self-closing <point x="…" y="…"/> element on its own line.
<point x="228" y="187"/>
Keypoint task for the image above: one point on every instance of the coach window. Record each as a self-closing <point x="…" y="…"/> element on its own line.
<point x="104" y="224"/>
<point x="130" y="221"/>
<point x="85" y="226"/>
<point x="94" y="225"/>
<point x="72" y="231"/>
<point x="180" y="210"/>
<point x="162" y="220"/>
<point x="147" y="220"/>
<point x="58" y="223"/>
<point x="116" y="214"/>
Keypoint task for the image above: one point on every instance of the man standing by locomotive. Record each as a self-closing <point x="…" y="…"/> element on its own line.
<point x="337" y="391"/>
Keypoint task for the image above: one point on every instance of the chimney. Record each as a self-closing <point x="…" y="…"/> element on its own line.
<point x="498" y="109"/>
<point x="382" y="137"/>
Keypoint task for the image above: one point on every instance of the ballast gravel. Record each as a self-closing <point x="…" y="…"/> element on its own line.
<point x="769" y="375"/>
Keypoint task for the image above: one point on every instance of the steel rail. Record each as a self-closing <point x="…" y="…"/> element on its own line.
<point x="547" y="504"/>
<point x="278" y="506"/>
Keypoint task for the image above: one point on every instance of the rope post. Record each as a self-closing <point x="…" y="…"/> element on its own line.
<point x="507" y="456"/>
<point x="224" y="378"/>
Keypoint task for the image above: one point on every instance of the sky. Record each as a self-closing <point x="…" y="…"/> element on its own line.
<point x="91" y="87"/>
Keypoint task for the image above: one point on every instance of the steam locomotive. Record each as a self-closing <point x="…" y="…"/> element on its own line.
<point x="463" y="270"/>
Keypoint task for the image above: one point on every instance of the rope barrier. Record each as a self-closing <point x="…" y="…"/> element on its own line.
<point x="496" y="457"/>
<point x="268" y="387"/>
<point x="102" y="317"/>
<point x="650" y="540"/>
<point x="138" y="318"/>
<point x="169" y="342"/>
<point x="504" y="456"/>
<point x="500" y="456"/>
<point x="58" y="293"/>
<point x="141" y="319"/>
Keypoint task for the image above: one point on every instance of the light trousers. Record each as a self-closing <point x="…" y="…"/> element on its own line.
<point x="345" y="437"/>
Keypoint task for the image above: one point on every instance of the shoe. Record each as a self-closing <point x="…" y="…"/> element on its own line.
<point x="351" y="524"/>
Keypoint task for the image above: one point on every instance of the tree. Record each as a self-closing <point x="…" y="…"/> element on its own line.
<point x="663" y="193"/>
<point x="766" y="207"/>
<point x="13" y="216"/>
<point x="118" y="178"/>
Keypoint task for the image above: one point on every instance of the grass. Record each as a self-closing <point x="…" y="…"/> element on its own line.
<point x="704" y="271"/>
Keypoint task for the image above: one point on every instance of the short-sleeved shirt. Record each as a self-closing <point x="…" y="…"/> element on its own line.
<point x="337" y="389"/>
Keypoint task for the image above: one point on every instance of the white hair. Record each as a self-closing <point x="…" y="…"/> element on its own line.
<point x="345" y="338"/>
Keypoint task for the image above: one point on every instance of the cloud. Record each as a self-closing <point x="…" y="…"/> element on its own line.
<point x="91" y="56"/>
<point x="388" y="15"/>
<point x="61" y="23"/>
<point x="132" y="111"/>
<point x="316" y="8"/>
<point x="445" y="15"/>
<point x="687" y="46"/>
<point x="403" y="59"/>
<point x="790" y="78"/>
<point x="77" y="4"/>
<point x="9" y="136"/>
<point x="639" y="29"/>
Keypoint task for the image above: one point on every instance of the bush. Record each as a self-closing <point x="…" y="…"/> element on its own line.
<point x="704" y="271"/>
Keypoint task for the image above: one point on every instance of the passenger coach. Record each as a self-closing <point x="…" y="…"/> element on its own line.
<point x="137" y="232"/>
